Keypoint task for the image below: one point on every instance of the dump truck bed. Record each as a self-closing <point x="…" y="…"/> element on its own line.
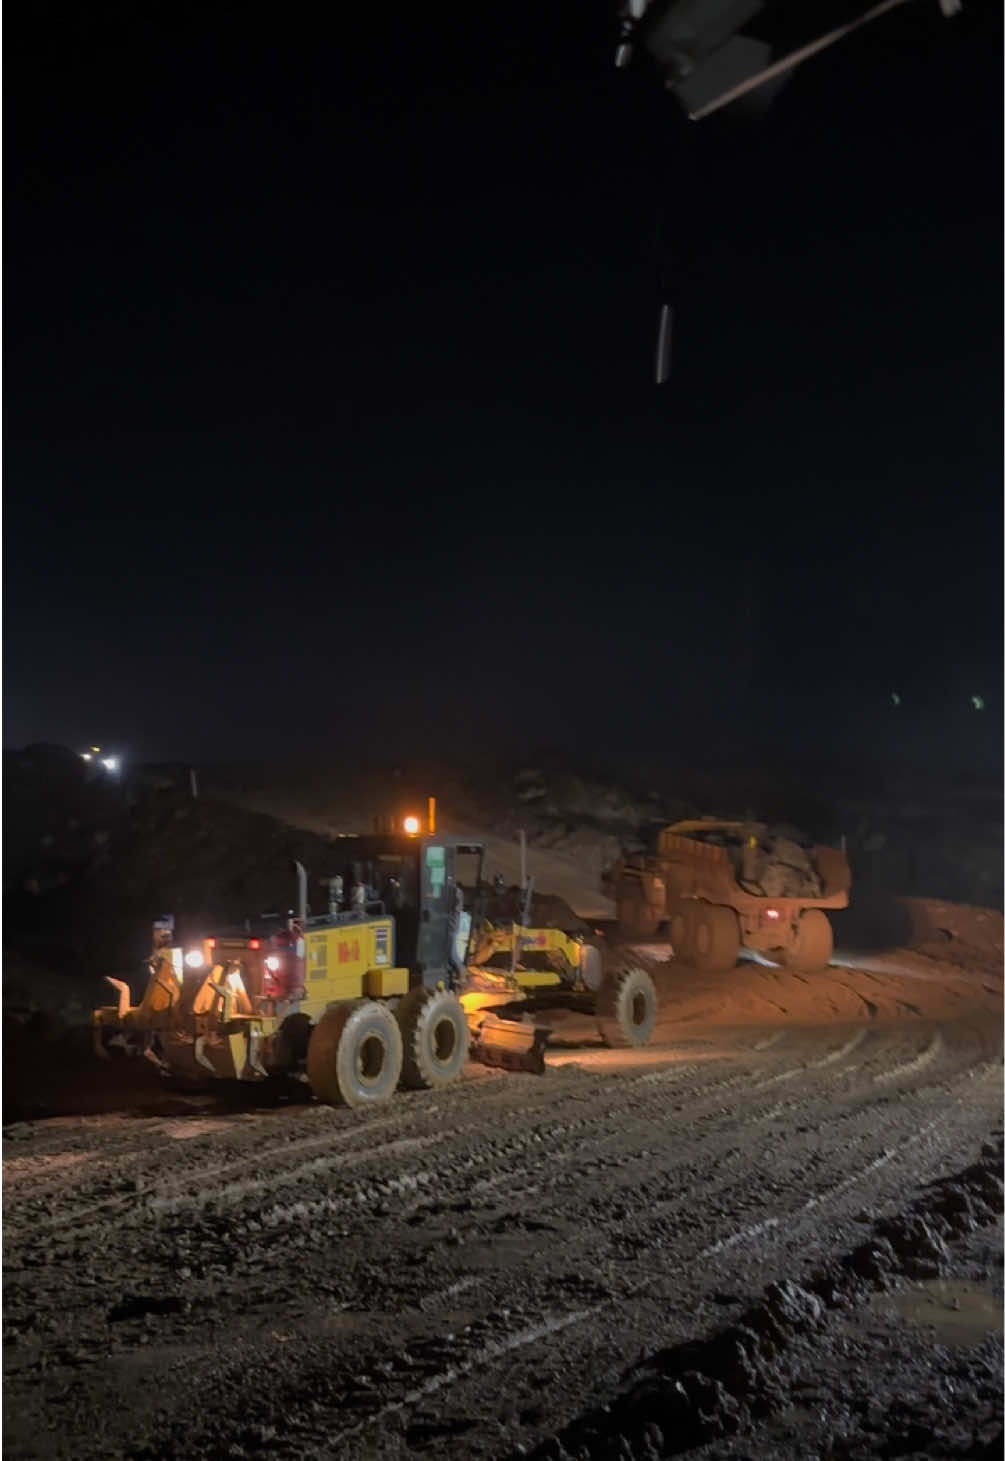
<point x="692" y="868"/>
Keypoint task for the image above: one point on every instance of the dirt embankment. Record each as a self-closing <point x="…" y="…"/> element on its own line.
<point x="90" y="860"/>
<point x="91" y="865"/>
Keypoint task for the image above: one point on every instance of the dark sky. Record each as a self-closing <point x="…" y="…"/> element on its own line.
<point x="330" y="418"/>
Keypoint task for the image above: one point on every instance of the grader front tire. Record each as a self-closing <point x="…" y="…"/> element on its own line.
<point x="626" y="1008"/>
<point x="355" y="1054"/>
<point x="435" y="1037"/>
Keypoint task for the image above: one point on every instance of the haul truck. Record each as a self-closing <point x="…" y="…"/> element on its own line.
<point x="701" y="883"/>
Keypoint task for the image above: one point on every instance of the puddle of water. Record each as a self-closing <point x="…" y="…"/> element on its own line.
<point x="960" y="1313"/>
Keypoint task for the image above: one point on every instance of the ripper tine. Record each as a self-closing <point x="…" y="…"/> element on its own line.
<point x="123" y="991"/>
<point x="254" y="1059"/>
<point x="200" y="1054"/>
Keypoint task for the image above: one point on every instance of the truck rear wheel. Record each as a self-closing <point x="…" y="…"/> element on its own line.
<point x="716" y="935"/>
<point x="354" y="1054"/>
<point x="626" y="1008"/>
<point x="435" y="1036"/>
<point x="682" y="930"/>
<point x="813" y="944"/>
<point x="635" y="918"/>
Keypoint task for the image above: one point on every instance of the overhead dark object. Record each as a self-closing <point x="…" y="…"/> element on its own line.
<point x="715" y="53"/>
<point x="664" y="345"/>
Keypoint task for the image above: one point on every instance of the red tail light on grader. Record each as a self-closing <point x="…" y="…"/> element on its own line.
<point x="395" y="985"/>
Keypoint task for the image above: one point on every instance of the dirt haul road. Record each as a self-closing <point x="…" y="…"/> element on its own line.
<point x="475" y="1274"/>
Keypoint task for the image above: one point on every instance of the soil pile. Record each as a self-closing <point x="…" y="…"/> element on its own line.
<point x="92" y="864"/>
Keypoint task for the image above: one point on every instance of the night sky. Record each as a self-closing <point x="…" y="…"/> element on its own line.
<point x="330" y="415"/>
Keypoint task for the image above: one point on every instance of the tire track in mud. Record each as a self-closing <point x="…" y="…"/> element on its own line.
<point x="631" y="1177"/>
<point x="589" y="1092"/>
<point x="241" y="1190"/>
<point x="732" y="1249"/>
<point x="696" y="1190"/>
<point x="830" y="1058"/>
<point x="466" y="1101"/>
<point x="673" y="1175"/>
<point x="817" y="1199"/>
<point x="490" y="1164"/>
<point x="923" y="1058"/>
<point x="479" y="1360"/>
<point x="640" y="1107"/>
<point x="179" y="1170"/>
<point x="774" y="1227"/>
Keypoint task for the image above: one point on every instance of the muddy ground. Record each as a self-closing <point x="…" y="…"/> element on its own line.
<point x="772" y="1234"/>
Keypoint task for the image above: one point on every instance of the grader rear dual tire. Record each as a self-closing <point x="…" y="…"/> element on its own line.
<point x="355" y="1054"/>
<point x="291" y="1043"/>
<point x="435" y="1037"/>
<point x="626" y="1008"/>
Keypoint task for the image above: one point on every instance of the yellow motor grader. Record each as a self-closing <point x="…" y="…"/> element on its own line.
<point x="396" y="984"/>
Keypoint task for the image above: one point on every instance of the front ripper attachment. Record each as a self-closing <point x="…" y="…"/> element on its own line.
<point x="511" y="1044"/>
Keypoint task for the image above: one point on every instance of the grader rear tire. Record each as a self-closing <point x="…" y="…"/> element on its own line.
<point x="626" y="1008"/>
<point x="716" y="946"/>
<point x="355" y="1054"/>
<point x="291" y="1043"/>
<point x="814" y="943"/>
<point x="434" y="1035"/>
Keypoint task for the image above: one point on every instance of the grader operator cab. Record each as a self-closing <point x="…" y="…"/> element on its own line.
<point x="378" y="991"/>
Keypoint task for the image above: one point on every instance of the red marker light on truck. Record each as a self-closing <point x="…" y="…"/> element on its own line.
<point x="254" y="943"/>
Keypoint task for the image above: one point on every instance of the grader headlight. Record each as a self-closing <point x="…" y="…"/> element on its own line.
<point x="194" y="959"/>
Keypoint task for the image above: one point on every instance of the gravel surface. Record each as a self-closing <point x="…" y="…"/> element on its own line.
<point x="478" y="1274"/>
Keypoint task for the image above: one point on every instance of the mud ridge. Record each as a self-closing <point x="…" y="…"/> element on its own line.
<point x="721" y="1386"/>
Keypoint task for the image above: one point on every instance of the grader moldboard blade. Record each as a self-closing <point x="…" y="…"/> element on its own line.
<point x="511" y="1044"/>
